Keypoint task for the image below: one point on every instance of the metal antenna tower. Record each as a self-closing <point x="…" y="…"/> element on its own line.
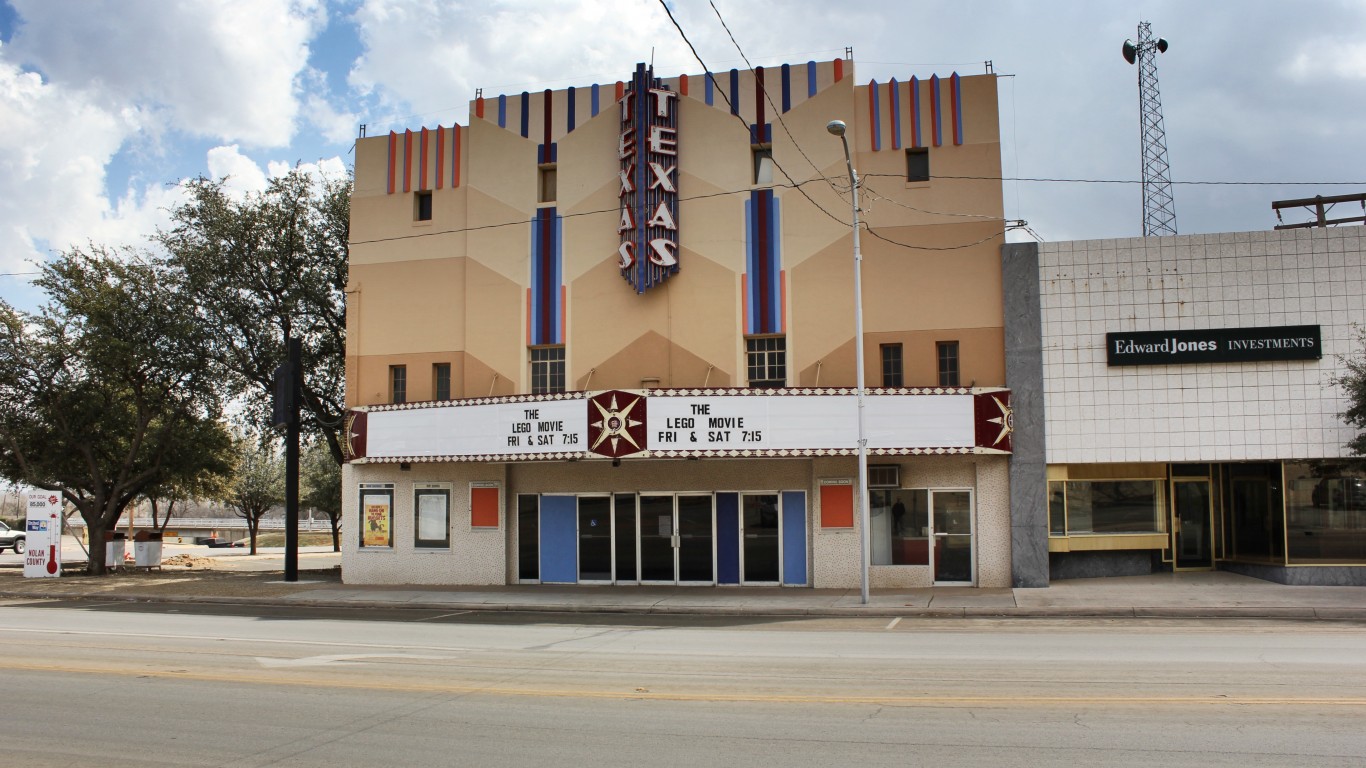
<point x="1159" y="210"/>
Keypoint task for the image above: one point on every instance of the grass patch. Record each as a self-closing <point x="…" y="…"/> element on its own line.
<point x="274" y="539"/>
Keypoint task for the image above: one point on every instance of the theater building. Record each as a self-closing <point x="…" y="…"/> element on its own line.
<point x="1176" y="405"/>
<point x="606" y="335"/>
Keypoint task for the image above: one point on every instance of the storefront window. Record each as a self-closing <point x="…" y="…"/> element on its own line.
<point x="1105" y="507"/>
<point x="1325" y="515"/>
<point x="1057" y="509"/>
<point x="1255" y="511"/>
<point x="900" y="526"/>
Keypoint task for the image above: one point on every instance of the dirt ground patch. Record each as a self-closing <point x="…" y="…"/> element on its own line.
<point x="170" y="582"/>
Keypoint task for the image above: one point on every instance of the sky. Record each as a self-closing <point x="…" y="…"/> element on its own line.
<point x="106" y="105"/>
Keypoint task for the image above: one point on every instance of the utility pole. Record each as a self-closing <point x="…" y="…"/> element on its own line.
<point x="1159" y="209"/>
<point x="286" y="414"/>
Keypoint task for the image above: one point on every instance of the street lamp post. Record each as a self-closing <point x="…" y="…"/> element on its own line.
<point x="838" y="128"/>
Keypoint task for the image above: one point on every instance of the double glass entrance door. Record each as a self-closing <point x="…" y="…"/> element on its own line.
<point x="648" y="539"/>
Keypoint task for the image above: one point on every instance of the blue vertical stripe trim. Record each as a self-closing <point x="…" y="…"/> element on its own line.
<point x="735" y="91"/>
<point x="559" y="540"/>
<point x="761" y="316"/>
<point x="787" y="88"/>
<point x="526" y="114"/>
<point x="502" y="111"/>
<point x="570" y="117"/>
<point x="810" y="79"/>
<point x="546" y="296"/>
<point x="595" y="99"/>
<point x="775" y="305"/>
<point x="557" y="295"/>
<point x="711" y="97"/>
<point x="794" y="538"/>
<point x="751" y="267"/>
<point x="727" y="538"/>
<point x="536" y="281"/>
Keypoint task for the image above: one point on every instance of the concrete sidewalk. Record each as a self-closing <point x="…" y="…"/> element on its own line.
<point x="243" y="579"/>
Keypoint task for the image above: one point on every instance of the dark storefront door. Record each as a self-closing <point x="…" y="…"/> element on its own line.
<point x="760" y="529"/>
<point x="677" y="539"/>
<point x="1193" y="525"/>
<point x="595" y="538"/>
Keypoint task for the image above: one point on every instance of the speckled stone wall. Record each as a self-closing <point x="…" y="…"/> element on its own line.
<point x="988" y="478"/>
<point x="475" y="557"/>
<point x="489" y="556"/>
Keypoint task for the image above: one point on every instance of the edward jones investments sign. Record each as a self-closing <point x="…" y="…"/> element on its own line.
<point x="1219" y="345"/>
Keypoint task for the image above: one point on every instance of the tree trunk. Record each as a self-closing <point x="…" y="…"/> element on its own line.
<point x="335" y="520"/>
<point x="95" y="566"/>
<point x="253" y="524"/>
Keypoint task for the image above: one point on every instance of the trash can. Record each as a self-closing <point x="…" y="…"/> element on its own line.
<point x="113" y="549"/>
<point x="147" y="549"/>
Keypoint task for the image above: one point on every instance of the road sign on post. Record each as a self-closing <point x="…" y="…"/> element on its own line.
<point x="43" y="536"/>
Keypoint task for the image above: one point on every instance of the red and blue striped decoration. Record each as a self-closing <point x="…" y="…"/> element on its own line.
<point x="874" y="116"/>
<point x="956" y="94"/>
<point x="894" y="91"/>
<point x="763" y="279"/>
<point x="934" y="110"/>
<point x="447" y="141"/>
<point x="545" y="297"/>
<point x="915" y="113"/>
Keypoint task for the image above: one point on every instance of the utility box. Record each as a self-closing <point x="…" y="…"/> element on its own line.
<point x="114" y="548"/>
<point x="147" y="549"/>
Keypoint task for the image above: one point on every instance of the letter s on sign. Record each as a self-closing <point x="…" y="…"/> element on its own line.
<point x="626" y="255"/>
<point x="661" y="252"/>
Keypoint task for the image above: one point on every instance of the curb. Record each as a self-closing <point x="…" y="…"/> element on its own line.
<point x="1023" y="613"/>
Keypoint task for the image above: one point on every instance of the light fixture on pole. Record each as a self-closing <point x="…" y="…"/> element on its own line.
<point x="837" y="128"/>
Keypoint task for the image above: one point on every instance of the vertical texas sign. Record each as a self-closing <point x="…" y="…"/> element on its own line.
<point x="648" y="149"/>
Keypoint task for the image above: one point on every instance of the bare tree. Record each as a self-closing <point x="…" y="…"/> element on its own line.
<point x="258" y="485"/>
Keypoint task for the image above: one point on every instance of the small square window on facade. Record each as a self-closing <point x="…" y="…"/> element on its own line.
<point x="422" y="206"/>
<point x="441" y="381"/>
<point x="918" y="164"/>
<point x="546" y="186"/>
<point x="948" y="363"/>
<point x="547" y="370"/>
<point x="892" y="370"/>
<point x="763" y="166"/>
<point x="766" y="361"/>
<point x="398" y="383"/>
<point x="432" y="515"/>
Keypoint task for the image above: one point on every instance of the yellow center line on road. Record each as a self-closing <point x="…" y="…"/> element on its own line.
<point x="241" y="676"/>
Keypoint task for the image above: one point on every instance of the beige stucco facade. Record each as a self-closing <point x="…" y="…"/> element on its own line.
<point x="462" y="288"/>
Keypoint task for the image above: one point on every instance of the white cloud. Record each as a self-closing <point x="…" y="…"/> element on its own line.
<point x="53" y="153"/>
<point x="222" y="70"/>
<point x="1345" y="59"/>
<point x="430" y="58"/>
<point x="241" y="173"/>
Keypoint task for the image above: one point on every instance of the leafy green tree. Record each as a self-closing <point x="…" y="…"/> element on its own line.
<point x="320" y="482"/>
<point x="107" y="391"/>
<point x="1353" y="382"/>
<point x="262" y="268"/>
<point x="257" y="485"/>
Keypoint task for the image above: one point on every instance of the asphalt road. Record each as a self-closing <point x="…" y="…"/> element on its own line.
<point x="189" y="685"/>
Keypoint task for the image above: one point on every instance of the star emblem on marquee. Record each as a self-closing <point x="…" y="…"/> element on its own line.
<point x="616" y="424"/>
<point x="1006" y="421"/>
